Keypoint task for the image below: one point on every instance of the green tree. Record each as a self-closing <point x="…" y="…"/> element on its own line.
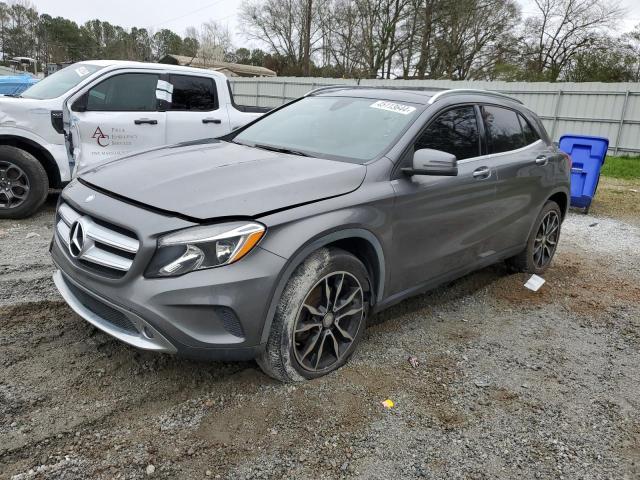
<point x="190" y="47"/>
<point x="165" y="42"/>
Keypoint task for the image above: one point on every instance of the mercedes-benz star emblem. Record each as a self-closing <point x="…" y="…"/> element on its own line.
<point x="76" y="239"/>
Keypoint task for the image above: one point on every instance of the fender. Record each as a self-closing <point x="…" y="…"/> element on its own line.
<point x="303" y="252"/>
<point x="553" y="192"/>
<point x="52" y="156"/>
<point x="26" y="135"/>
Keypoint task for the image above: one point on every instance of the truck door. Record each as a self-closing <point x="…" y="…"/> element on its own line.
<point x="114" y="117"/>
<point x="195" y="111"/>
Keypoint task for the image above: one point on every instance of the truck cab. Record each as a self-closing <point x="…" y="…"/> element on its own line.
<point x="94" y="111"/>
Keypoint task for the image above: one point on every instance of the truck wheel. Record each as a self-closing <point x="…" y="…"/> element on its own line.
<point x="542" y="243"/>
<point x="23" y="183"/>
<point x="320" y="318"/>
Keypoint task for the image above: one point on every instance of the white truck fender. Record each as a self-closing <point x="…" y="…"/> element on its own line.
<point x="55" y="152"/>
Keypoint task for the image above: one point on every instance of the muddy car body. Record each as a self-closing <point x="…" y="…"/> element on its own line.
<point x="278" y="240"/>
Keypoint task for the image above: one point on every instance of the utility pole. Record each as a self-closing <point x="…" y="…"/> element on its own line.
<point x="306" y="60"/>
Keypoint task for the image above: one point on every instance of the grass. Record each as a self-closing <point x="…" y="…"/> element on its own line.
<point x="622" y="167"/>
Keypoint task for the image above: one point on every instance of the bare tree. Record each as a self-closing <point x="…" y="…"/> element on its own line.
<point x="561" y="29"/>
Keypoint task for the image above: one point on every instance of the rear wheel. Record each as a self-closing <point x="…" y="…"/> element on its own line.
<point x="542" y="242"/>
<point x="23" y="183"/>
<point x="320" y="318"/>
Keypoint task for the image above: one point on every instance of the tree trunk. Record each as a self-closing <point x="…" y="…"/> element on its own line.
<point x="306" y="60"/>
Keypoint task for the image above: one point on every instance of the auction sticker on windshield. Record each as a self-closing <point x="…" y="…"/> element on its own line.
<point x="393" y="107"/>
<point x="82" y="71"/>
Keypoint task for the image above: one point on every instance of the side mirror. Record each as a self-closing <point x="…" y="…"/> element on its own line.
<point x="433" y="162"/>
<point x="80" y="105"/>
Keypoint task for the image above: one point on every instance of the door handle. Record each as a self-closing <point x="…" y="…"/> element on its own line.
<point x="217" y="121"/>
<point x="542" y="160"/>
<point x="482" y="173"/>
<point x="148" y="121"/>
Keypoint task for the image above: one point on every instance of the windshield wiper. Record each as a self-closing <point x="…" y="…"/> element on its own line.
<point x="14" y="95"/>
<point x="281" y="150"/>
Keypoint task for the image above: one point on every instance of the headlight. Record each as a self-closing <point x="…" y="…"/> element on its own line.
<point x="198" y="248"/>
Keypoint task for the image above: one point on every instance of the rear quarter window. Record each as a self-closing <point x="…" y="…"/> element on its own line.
<point x="504" y="130"/>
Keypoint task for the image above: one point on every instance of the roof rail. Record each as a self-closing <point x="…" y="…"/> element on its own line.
<point x="374" y="87"/>
<point x="474" y="91"/>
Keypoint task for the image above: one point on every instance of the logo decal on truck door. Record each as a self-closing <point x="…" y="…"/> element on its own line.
<point x="101" y="138"/>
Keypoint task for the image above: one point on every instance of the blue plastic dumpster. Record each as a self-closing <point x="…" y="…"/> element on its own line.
<point x="15" y="84"/>
<point x="587" y="155"/>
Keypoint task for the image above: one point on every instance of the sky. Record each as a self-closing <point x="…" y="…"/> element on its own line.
<point x="158" y="14"/>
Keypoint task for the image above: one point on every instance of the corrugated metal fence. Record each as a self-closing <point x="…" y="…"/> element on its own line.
<point x="609" y="110"/>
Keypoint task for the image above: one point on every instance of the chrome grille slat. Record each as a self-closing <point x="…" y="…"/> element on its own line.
<point x="106" y="259"/>
<point x="101" y="246"/>
<point x="63" y="232"/>
<point x="67" y="214"/>
<point x="111" y="238"/>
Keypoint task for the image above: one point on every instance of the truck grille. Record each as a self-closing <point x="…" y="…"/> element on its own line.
<point x="103" y="248"/>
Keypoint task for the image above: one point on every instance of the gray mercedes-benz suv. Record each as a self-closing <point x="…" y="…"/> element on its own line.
<point x="277" y="241"/>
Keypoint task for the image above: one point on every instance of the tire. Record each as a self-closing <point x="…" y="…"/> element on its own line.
<point x="21" y="175"/>
<point x="285" y="357"/>
<point x="529" y="259"/>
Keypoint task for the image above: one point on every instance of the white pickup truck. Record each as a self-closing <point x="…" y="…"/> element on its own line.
<point x="107" y="109"/>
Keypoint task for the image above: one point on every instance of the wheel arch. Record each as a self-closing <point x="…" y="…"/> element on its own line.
<point x="562" y="199"/>
<point x="361" y="243"/>
<point x="40" y="153"/>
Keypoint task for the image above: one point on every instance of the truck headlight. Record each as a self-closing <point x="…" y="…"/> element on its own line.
<point x="198" y="248"/>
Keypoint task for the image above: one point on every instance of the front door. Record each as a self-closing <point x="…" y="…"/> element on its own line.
<point x="441" y="224"/>
<point x="113" y="118"/>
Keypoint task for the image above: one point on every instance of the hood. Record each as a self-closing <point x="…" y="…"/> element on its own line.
<point x="221" y="179"/>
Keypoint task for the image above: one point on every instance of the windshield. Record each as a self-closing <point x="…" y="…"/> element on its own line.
<point x="340" y="128"/>
<point x="60" y="82"/>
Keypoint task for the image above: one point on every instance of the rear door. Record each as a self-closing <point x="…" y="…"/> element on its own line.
<point x="114" y="117"/>
<point x="523" y="162"/>
<point x="195" y="111"/>
<point x="442" y="224"/>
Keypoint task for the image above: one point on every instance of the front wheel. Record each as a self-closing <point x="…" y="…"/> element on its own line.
<point x="23" y="183"/>
<point x="320" y="318"/>
<point x="542" y="242"/>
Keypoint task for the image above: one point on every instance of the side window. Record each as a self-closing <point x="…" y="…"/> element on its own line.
<point x="454" y="131"/>
<point x="129" y="92"/>
<point x="193" y="93"/>
<point x="503" y="129"/>
<point x="530" y="135"/>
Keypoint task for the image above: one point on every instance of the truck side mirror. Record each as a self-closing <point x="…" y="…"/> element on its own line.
<point x="433" y="162"/>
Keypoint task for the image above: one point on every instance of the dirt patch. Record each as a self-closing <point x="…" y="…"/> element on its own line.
<point x="618" y="198"/>
<point x="580" y="285"/>
<point x="509" y="383"/>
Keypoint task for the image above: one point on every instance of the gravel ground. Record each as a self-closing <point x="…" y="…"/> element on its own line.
<point x="509" y="383"/>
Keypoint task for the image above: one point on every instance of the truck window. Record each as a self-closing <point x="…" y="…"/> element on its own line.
<point x="454" y="131"/>
<point x="193" y="93"/>
<point x="60" y="82"/>
<point x="503" y="129"/>
<point x="128" y="92"/>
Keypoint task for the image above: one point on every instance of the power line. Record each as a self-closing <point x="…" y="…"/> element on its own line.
<point x="185" y="15"/>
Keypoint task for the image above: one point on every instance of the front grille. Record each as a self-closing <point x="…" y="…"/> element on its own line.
<point x="102" y="310"/>
<point x="106" y="249"/>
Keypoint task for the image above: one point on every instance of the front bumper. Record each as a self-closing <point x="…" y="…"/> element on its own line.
<point x="214" y="314"/>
